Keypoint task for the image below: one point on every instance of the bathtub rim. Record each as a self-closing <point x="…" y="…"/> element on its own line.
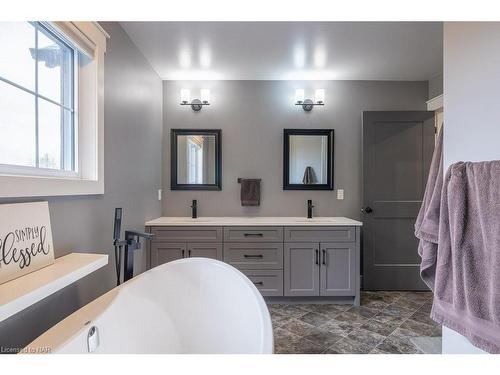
<point x="80" y="320"/>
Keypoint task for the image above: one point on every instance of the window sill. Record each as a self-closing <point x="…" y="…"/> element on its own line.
<point x="17" y="186"/>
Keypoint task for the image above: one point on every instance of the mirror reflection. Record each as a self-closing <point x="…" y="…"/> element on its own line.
<point x="195" y="159"/>
<point x="308" y="159"/>
<point x="196" y="156"/>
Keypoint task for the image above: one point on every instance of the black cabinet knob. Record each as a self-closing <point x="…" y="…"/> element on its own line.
<point x="367" y="210"/>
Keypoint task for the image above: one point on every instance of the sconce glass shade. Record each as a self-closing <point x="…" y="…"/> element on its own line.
<point x="319" y="96"/>
<point x="205" y="95"/>
<point x="299" y="95"/>
<point x="185" y="96"/>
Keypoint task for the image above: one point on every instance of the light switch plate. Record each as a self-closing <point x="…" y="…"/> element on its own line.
<point x="159" y="194"/>
<point x="340" y="194"/>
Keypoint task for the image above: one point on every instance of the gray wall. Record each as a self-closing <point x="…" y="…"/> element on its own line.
<point x="436" y="86"/>
<point x="132" y="158"/>
<point x="252" y="116"/>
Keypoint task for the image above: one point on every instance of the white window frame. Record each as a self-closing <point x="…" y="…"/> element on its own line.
<point x="18" y="181"/>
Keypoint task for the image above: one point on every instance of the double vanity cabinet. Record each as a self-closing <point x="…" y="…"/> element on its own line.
<point x="283" y="257"/>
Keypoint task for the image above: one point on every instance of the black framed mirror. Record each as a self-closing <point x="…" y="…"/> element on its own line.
<point x="195" y="159"/>
<point x="308" y="159"/>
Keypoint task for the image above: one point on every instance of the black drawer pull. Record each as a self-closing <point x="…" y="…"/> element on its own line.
<point x="258" y="283"/>
<point x="252" y="256"/>
<point x="183" y="252"/>
<point x="253" y="235"/>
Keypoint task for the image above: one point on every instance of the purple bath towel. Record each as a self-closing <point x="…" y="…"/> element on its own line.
<point x="427" y="224"/>
<point x="467" y="281"/>
<point x="460" y="250"/>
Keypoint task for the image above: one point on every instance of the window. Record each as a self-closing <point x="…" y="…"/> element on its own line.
<point x="51" y="108"/>
<point x="37" y="100"/>
<point x="195" y="162"/>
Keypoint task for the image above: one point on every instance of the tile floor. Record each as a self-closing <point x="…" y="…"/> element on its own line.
<point x="386" y="322"/>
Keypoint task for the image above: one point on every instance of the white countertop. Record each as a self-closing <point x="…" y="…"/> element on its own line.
<point x="253" y="221"/>
<point x="18" y="294"/>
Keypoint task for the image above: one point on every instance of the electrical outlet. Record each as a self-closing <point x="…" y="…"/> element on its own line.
<point x="159" y="194"/>
<point x="340" y="194"/>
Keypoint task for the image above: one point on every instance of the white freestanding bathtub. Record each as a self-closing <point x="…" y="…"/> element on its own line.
<point x="193" y="305"/>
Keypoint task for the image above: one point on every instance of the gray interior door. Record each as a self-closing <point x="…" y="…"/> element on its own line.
<point x="397" y="151"/>
<point x="301" y="269"/>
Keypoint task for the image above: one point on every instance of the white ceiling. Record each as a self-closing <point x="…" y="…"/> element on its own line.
<point x="291" y="50"/>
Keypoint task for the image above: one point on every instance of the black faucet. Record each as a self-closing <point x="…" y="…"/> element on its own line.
<point x="309" y="209"/>
<point x="194" y="209"/>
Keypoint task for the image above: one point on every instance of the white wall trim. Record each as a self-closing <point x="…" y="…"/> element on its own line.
<point x="101" y="29"/>
<point x="435" y="103"/>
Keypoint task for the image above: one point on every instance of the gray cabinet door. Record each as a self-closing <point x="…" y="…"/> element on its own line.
<point x="163" y="252"/>
<point x="205" y="250"/>
<point x="338" y="269"/>
<point x="301" y="269"/>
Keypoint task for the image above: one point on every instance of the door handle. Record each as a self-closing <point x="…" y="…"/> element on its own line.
<point x="367" y="209"/>
<point x="183" y="252"/>
<point x="189" y="253"/>
<point x="317" y="256"/>
<point x="258" y="283"/>
<point x="253" y="256"/>
<point x="324" y="257"/>
<point x="253" y="234"/>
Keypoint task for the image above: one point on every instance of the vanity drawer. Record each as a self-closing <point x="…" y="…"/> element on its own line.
<point x="253" y="234"/>
<point x="320" y="234"/>
<point x="254" y="255"/>
<point x="187" y="233"/>
<point x="268" y="282"/>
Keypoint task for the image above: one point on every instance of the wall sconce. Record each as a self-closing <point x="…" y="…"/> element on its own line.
<point x="308" y="104"/>
<point x="196" y="104"/>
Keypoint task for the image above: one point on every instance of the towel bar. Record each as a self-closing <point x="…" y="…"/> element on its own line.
<point x="240" y="179"/>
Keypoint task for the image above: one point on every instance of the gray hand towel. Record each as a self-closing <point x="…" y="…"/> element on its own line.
<point x="250" y="192"/>
<point x="309" y="176"/>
